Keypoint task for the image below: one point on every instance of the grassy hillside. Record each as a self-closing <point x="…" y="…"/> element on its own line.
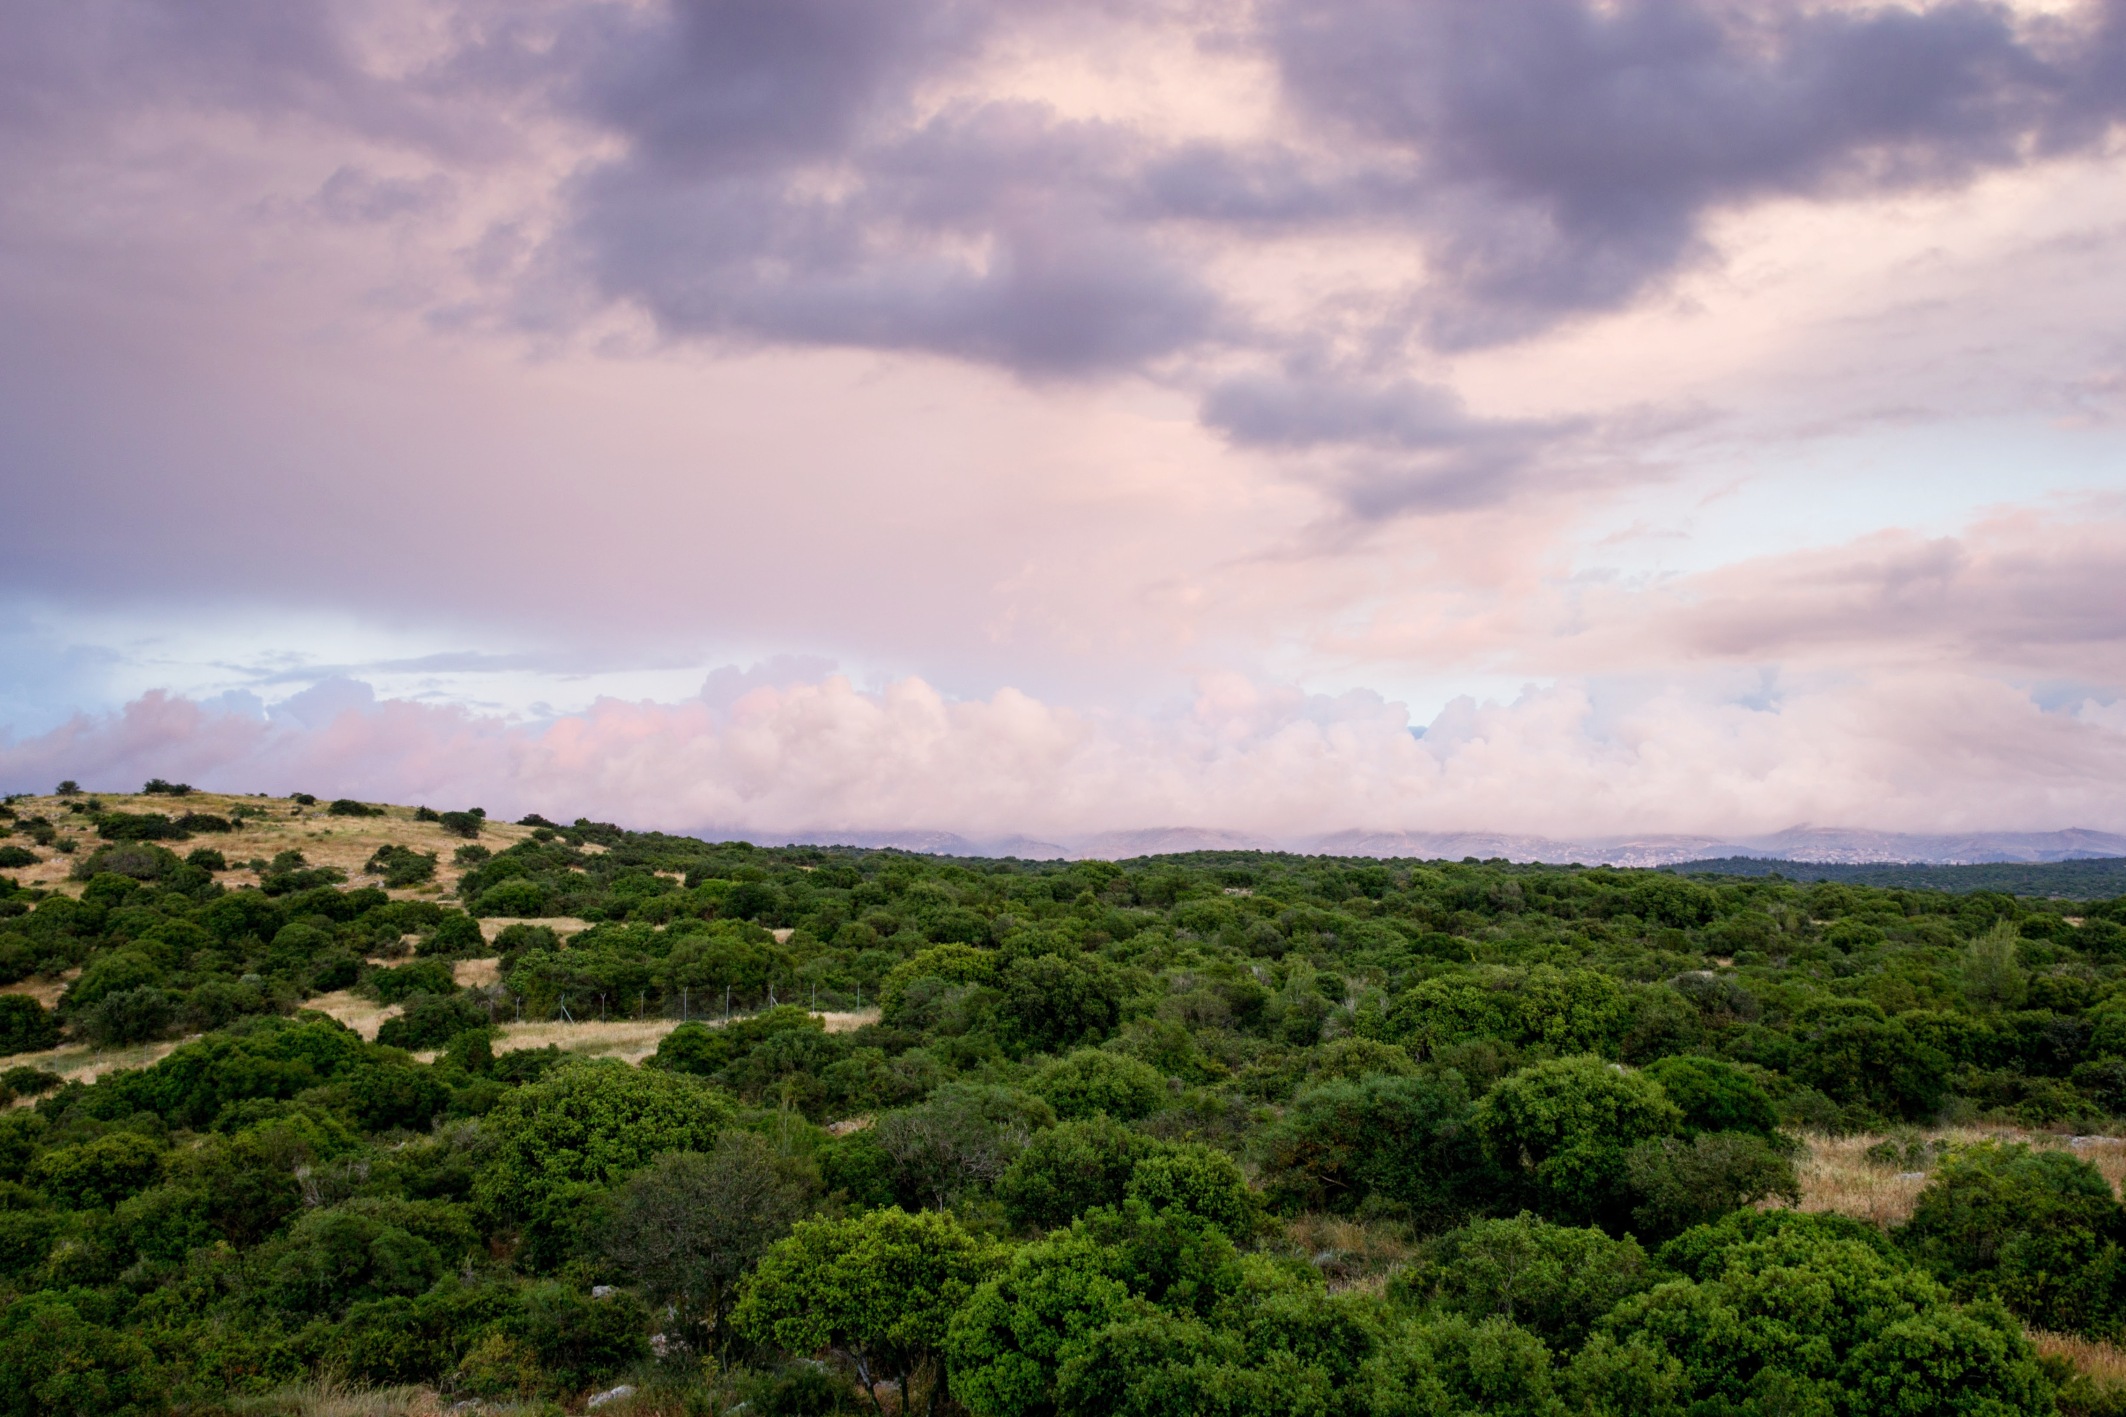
<point x="448" y="1110"/>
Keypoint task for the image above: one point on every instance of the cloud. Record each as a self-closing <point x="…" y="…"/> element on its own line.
<point x="1571" y="151"/>
<point x="1919" y="749"/>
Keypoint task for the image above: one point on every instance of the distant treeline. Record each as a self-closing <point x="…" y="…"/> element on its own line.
<point x="2072" y="880"/>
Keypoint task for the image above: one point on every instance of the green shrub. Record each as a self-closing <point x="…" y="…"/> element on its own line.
<point x="1681" y="1183"/>
<point x="430" y="1021"/>
<point x="1714" y="1096"/>
<point x="138" y="826"/>
<point x="26" y="1026"/>
<point x="1090" y="1081"/>
<point x="129" y="1016"/>
<point x="348" y="807"/>
<point x="1554" y="1280"/>
<point x="422" y="976"/>
<point x="1068" y="1169"/>
<point x="2039" y="1230"/>
<point x="401" y="866"/>
<point x="14" y="856"/>
<point x="206" y="858"/>
<point x="1566" y="1128"/>
<point x="1407" y="1142"/>
<point x="465" y="824"/>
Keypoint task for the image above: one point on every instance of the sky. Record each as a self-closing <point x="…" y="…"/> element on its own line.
<point x="1576" y="417"/>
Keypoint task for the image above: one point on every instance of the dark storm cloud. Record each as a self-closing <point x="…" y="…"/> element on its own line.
<point x="1394" y="446"/>
<point x="1568" y="153"/>
<point x="776" y="188"/>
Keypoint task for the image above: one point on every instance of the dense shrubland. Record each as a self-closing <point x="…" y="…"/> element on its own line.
<point x="1079" y="1159"/>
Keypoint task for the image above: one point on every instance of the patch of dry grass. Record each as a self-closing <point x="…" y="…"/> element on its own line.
<point x="45" y="989"/>
<point x="84" y="1063"/>
<point x="476" y="973"/>
<point x="1836" y="1175"/>
<point x="364" y="1016"/>
<point x="629" y="1039"/>
<point x="330" y="1398"/>
<point x="1350" y="1254"/>
<point x="2100" y="1362"/>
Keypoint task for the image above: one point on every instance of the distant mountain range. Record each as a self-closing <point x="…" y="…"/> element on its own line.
<point x="1814" y="845"/>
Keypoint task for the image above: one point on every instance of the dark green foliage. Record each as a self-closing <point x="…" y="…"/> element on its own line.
<point x="1089" y="1082"/>
<point x="2039" y="1230"/>
<point x="1070" y="1168"/>
<point x="206" y="858"/>
<point x="204" y="822"/>
<point x="422" y="976"/>
<point x="465" y="824"/>
<point x="1406" y="1142"/>
<point x="348" y="807"/>
<point x="400" y="866"/>
<point x="430" y="1021"/>
<point x="1714" y="1096"/>
<point x="26" y="1026"/>
<point x="1553" y="1280"/>
<point x="157" y="787"/>
<point x="1678" y="1183"/>
<point x="1565" y="1130"/>
<point x="13" y="856"/>
<point x="128" y="1016"/>
<point x="1423" y="1049"/>
<point x="138" y="826"/>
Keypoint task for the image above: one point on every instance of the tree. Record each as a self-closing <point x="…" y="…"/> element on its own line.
<point x="26" y="1026"/>
<point x="2039" y="1230"/>
<point x="592" y="1121"/>
<point x="1090" y="1081"/>
<point x="1070" y="1168"/>
<point x="1554" y="1280"/>
<point x="1006" y="1343"/>
<point x="1405" y="1140"/>
<point x="1714" y="1096"/>
<point x="1993" y="976"/>
<point x="879" y="1289"/>
<point x="1684" y="1183"/>
<point x="961" y="1138"/>
<point x="1567" y="1126"/>
<point x="689" y="1228"/>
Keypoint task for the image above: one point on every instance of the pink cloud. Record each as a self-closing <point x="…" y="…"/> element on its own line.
<point x="1910" y="750"/>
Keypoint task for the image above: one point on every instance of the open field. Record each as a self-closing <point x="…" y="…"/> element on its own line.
<point x="344" y="842"/>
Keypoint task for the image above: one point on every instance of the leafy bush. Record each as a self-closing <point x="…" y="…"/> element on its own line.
<point x="465" y="824"/>
<point x="422" y="976"/>
<point x="26" y="1026"/>
<point x="1406" y="1142"/>
<point x="138" y="826"/>
<point x="156" y="787"/>
<point x="204" y="822"/>
<point x="1566" y="1128"/>
<point x="129" y="1016"/>
<point x="348" y="807"/>
<point x="1090" y="1081"/>
<point x="2039" y="1230"/>
<point x="13" y="856"/>
<point x="206" y="858"/>
<point x="401" y="866"/>
<point x="141" y="861"/>
<point x="430" y="1021"/>
<point x="1555" y="1280"/>
<point x="1070" y="1168"/>
<point x="1681" y="1183"/>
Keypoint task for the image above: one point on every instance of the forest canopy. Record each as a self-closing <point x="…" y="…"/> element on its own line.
<point x="1221" y="1132"/>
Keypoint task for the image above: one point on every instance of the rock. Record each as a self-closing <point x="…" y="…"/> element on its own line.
<point x="611" y="1394"/>
<point x="600" y="1291"/>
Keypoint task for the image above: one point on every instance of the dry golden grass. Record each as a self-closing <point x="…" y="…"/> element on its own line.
<point x="1350" y="1254"/>
<point x="1836" y="1175"/>
<point x="2100" y="1362"/>
<point x="44" y="989"/>
<point x="84" y="1063"/>
<point x="629" y="1039"/>
<point x="330" y="1398"/>
<point x="476" y="973"/>
<point x="345" y="842"/>
<point x="364" y="1016"/>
